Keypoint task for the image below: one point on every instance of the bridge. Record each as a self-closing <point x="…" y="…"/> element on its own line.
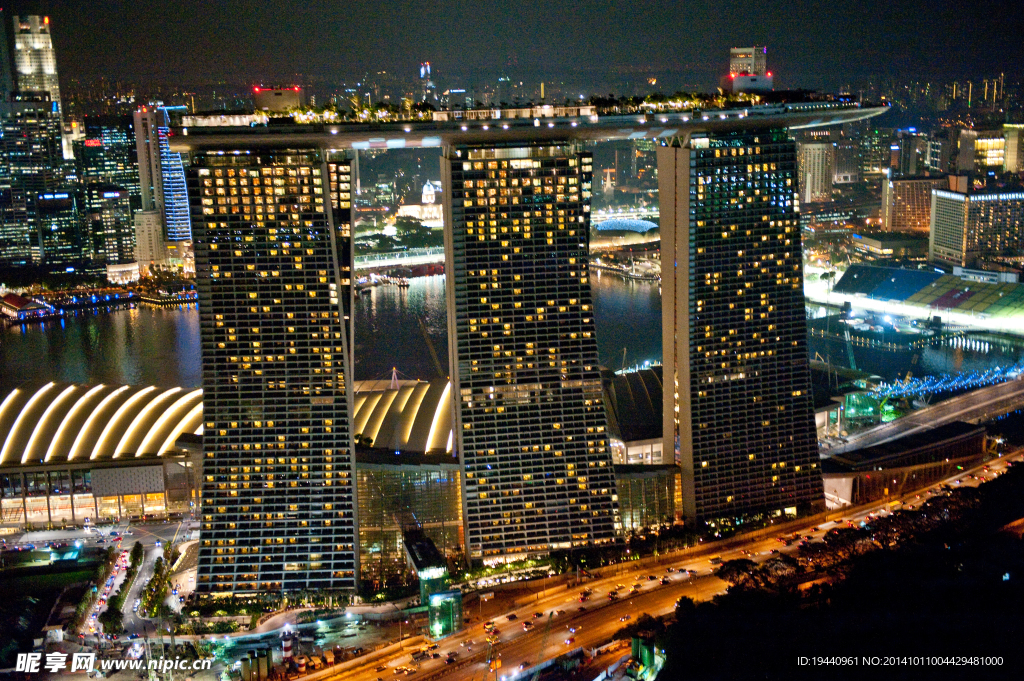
<point x="407" y="258"/>
<point x="931" y="385"/>
<point x="975" y="407"/>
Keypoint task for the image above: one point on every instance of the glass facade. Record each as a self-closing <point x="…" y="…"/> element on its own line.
<point x="108" y="154"/>
<point x="111" y="226"/>
<point x="274" y="263"/>
<point x="738" y="402"/>
<point x="393" y="496"/>
<point x="647" y="496"/>
<point x="531" y="429"/>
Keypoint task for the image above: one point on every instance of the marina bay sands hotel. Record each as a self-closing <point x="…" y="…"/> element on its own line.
<point x="274" y="427"/>
<point x="271" y="210"/>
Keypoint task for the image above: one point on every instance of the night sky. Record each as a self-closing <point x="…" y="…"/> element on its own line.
<point x="811" y="43"/>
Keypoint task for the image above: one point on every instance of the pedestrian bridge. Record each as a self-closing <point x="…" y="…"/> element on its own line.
<point x="408" y="258"/>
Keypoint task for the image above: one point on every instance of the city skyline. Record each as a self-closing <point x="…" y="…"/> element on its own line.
<point x="811" y="44"/>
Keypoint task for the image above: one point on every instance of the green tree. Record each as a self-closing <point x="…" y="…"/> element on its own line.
<point x="137" y="554"/>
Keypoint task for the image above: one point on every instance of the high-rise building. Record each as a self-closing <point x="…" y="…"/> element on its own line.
<point x="30" y="159"/>
<point x="966" y="226"/>
<point x="817" y="164"/>
<point x="751" y="61"/>
<point x="110" y="223"/>
<point x="981" y="151"/>
<point x="907" y="203"/>
<point x="61" y="234"/>
<point x="738" y="405"/>
<point x="1013" y="161"/>
<point x="908" y="154"/>
<point x="108" y="153"/>
<point x="35" y="61"/>
<point x="530" y="426"/>
<point x="875" y="151"/>
<point x="161" y="172"/>
<point x="273" y="253"/>
<point x="149" y="240"/>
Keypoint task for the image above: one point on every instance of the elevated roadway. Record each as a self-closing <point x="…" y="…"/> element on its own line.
<point x="974" y="407"/>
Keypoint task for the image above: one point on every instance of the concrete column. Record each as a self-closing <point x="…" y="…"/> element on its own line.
<point x="49" y="515"/>
<point x="24" y="502"/>
<point x="119" y="513"/>
<point x="71" y="495"/>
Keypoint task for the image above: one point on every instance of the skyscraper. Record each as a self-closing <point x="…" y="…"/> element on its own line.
<point x="35" y="61"/>
<point x="738" y="404"/>
<point x="30" y="160"/>
<point x="965" y="226"/>
<point x="817" y="164"/>
<point x="161" y="172"/>
<point x="110" y="223"/>
<point x="907" y="203"/>
<point x="109" y="154"/>
<point x="530" y="425"/>
<point x="274" y="276"/>
<point x="62" y="237"/>
<point x="751" y="61"/>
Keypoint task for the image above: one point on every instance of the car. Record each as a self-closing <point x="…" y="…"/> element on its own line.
<point x="625" y="618"/>
<point x="572" y="630"/>
<point x="467" y="642"/>
<point x="488" y="623"/>
<point x="512" y="617"/>
<point x="581" y="609"/>
<point x="435" y="656"/>
<point x="432" y="646"/>
<point x="523" y="666"/>
<point x="651" y="578"/>
<point x="613" y="595"/>
<point x="665" y="580"/>
<point x="527" y="626"/>
<point x="569" y="641"/>
<point x="159" y="543"/>
<point x="450" y="660"/>
<point x="101" y="540"/>
<point x="670" y="570"/>
<point x="132" y="637"/>
<point x="559" y="612"/>
<point x="380" y="668"/>
<point x="774" y="551"/>
<point x="538" y="615"/>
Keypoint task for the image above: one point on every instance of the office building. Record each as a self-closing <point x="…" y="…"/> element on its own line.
<point x="907" y="203"/>
<point x="108" y="153"/>
<point x="817" y="163"/>
<point x="150" y="249"/>
<point x="982" y="152"/>
<point x="530" y="426"/>
<point x="278" y="99"/>
<point x="966" y="227"/>
<point x="1013" y="159"/>
<point x="62" y="235"/>
<point x="274" y="275"/>
<point x="737" y="398"/>
<point x="109" y="223"/>
<point x="751" y="61"/>
<point x="161" y="172"/>
<point x="908" y="154"/>
<point x="35" y="61"/>
<point x="30" y="160"/>
<point x="847" y="169"/>
<point x="875" y="151"/>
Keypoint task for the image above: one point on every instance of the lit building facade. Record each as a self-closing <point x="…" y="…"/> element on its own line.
<point x="395" y="492"/>
<point x="530" y="426"/>
<point x="817" y="164"/>
<point x="907" y="203"/>
<point x="161" y="172"/>
<point x="273" y="255"/>
<point x="109" y="154"/>
<point x="35" y="62"/>
<point x="749" y="60"/>
<point x="61" y="232"/>
<point x="737" y="398"/>
<point x="110" y="223"/>
<point x="967" y="226"/>
<point x="30" y="160"/>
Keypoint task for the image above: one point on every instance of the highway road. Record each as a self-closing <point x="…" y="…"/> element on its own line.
<point x="978" y="404"/>
<point x="596" y="625"/>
